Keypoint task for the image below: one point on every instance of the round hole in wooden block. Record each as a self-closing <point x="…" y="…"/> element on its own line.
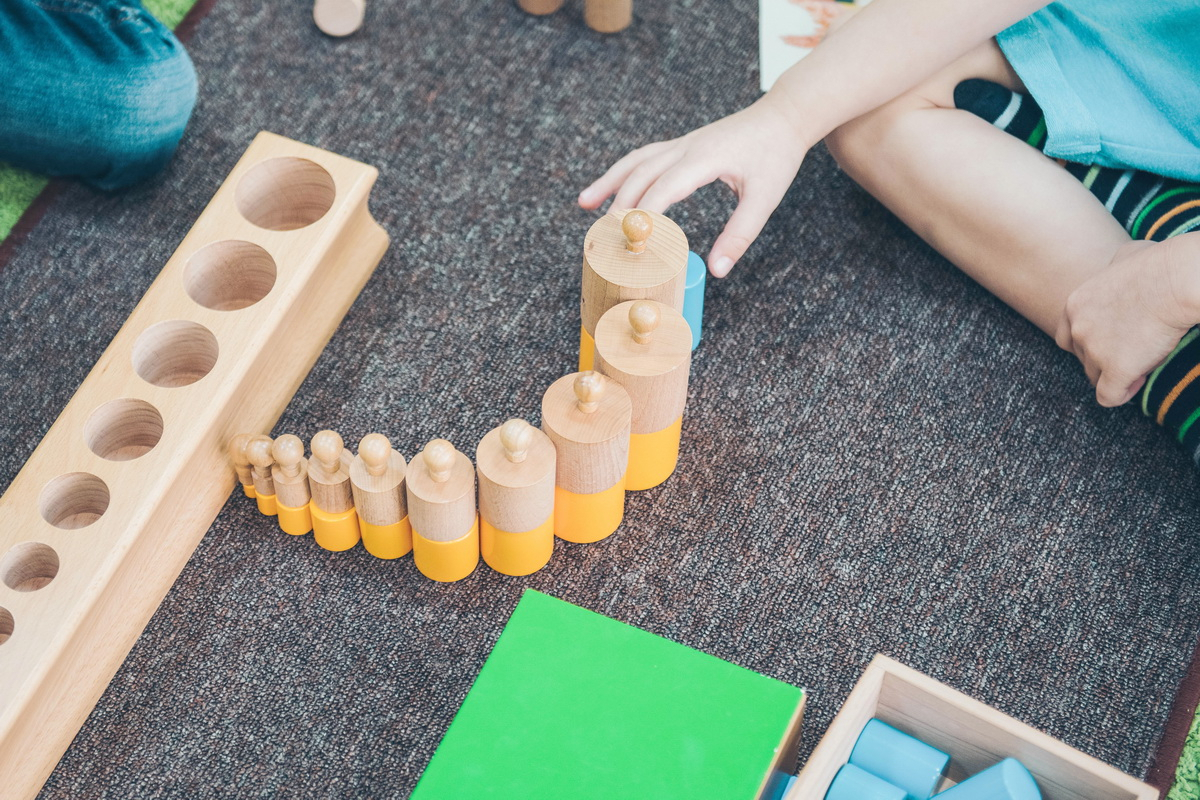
<point x="227" y="276"/>
<point x="74" y="500"/>
<point x="27" y="567"/>
<point x="7" y="624"/>
<point x="283" y="194"/>
<point x="122" y="430"/>
<point x="175" y="353"/>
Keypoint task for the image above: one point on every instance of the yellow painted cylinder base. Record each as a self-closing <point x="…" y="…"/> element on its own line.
<point x="296" y="521"/>
<point x="587" y="350"/>
<point x="267" y="504"/>
<point x="447" y="561"/>
<point x="587" y="518"/>
<point x="335" y="532"/>
<point x="652" y="457"/>
<point x="387" y="541"/>
<point x="248" y="490"/>
<point x="517" y="553"/>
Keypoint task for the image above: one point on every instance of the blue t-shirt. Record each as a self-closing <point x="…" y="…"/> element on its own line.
<point x="1118" y="80"/>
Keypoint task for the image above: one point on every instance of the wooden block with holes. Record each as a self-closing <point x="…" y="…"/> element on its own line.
<point x="101" y="519"/>
<point x="975" y="736"/>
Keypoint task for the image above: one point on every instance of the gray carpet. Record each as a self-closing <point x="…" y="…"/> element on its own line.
<point x="877" y="456"/>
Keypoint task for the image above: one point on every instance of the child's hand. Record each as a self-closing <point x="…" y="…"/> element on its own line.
<point x="1123" y="322"/>
<point x="755" y="152"/>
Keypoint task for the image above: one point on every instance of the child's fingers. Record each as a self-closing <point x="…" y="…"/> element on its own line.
<point x="643" y="175"/>
<point x="674" y="185"/>
<point x="608" y="183"/>
<point x="742" y="229"/>
<point x="1116" y="388"/>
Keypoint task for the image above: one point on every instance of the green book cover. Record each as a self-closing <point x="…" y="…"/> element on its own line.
<point x="572" y="704"/>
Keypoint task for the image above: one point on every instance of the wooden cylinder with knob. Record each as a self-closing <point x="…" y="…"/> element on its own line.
<point x="441" y="508"/>
<point x="258" y="451"/>
<point x="587" y="417"/>
<point x="646" y="346"/>
<point x="335" y="523"/>
<point x="608" y="16"/>
<point x="629" y="255"/>
<point x="516" y="465"/>
<point x="380" y="497"/>
<point x="292" y="494"/>
<point x="241" y="463"/>
<point x="540" y="7"/>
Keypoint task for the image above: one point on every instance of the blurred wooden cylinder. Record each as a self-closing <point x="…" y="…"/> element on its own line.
<point x="608" y="16"/>
<point x="540" y="7"/>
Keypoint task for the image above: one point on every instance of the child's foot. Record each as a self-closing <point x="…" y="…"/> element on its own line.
<point x="1149" y="206"/>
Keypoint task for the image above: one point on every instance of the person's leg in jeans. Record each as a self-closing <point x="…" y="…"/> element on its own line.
<point x="92" y="89"/>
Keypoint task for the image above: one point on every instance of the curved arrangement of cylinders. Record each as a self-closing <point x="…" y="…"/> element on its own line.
<point x="614" y="426"/>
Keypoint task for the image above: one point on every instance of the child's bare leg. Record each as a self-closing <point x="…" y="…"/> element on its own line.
<point x="994" y="206"/>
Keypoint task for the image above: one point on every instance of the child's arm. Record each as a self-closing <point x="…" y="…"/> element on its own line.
<point x="884" y="50"/>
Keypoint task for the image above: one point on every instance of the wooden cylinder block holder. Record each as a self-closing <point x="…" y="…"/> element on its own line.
<point x="258" y="450"/>
<point x="608" y="16"/>
<point x="516" y="464"/>
<point x="441" y="507"/>
<point x="647" y="347"/>
<point x="540" y="7"/>
<point x="629" y="255"/>
<point x="587" y="417"/>
<point x="109" y="507"/>
<point x="335" y="523"/>
<point x="381" y="498"/>
<point x="241" y="463"/>
<point x="292" y="494"/>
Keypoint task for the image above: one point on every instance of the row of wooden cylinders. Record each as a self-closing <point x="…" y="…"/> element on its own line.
<point x="568" y="479"/>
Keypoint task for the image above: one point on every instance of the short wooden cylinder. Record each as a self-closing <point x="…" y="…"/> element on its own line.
<point x="331" y="491"/>
<point x="441" y="512"/>
<point x="292" y="491"/>
<point x="612" y="274"/>
<point x="381" y="500"/>
<point x="592" y="448"/>
<point x="655" y="373"/>
<point x="516" y="497"/>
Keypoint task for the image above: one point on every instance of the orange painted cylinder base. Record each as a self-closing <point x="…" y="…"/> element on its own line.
<point x="387" y="541"/>
<point x="335" y="532"/>
<point x="653" y="456"/>
<point x="587" y="350"/>
<point x="447" y="561"/>
<point x="248" y="490"/>
<point x="296" y="521"/>
<point x="267" y="504"/>
<point x="587" y="518"/>
<point x="517" y="553"/>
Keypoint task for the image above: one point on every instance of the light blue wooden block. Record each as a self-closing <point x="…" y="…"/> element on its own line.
<point x="693" y="296"/>
<point x="1008" y="780"/>
<point x="899" y="759"/>
<point x="852" y="783"/>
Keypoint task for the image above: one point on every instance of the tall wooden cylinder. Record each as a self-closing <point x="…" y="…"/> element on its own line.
<point x="381" y="498"/>
<point x="516" y="464"/>
<point x="441" y="508"/>
<point x="646" y="347"/>
<point x="335" y="525"/>
<point x="587" y="417"/>
<point x="629" y="256"/>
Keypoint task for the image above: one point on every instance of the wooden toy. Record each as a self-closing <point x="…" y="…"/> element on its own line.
<point x="278" y="256"/>
<point x="540" y="7"/>
<point x="339" y="17"/>
<point x="587" y="417"/>
<point x="441" y="506"/>
<point x="380" y="497"/>
<point x="899" y="759"/>
<point x="335" y="522"/>
<point x="647" y="347"/>
<point x="852" y="783"/>
<point x="974" y="735"/>
<point x="258" y="450"/>
<point x="693" y="296"/>
<point x="629" y="256"/>
<point x="1008" y="780"/>
<point x="516" y="464"/>
<point x="608" y="16"/>
<point x="292" y="494"/>
<point x="571" y="704"/>
<point x="241" y="463"/>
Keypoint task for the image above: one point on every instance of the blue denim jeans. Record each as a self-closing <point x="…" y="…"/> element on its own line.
<point x="94" y="89"/>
